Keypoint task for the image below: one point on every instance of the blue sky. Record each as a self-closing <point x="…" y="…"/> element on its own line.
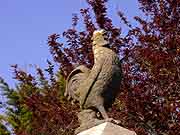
<point x="26" y="24"/>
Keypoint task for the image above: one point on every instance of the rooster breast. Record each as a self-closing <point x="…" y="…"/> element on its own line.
<point x="106" y="85"/>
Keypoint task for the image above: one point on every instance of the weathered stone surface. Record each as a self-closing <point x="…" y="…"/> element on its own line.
<point x="107" y="128"/>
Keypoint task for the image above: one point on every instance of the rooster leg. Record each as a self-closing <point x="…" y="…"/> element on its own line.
<point x="103" y="112"/>
<point x="105" y="116"/>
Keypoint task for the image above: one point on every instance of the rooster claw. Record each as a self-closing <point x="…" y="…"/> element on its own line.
<point x="117" y="122"/>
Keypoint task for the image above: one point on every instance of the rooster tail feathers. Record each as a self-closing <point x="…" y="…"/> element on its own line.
<point x="75" y="78"/>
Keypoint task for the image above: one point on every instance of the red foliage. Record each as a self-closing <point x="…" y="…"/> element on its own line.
<point x="50" y="115"/>
<point x="152" y="69"/>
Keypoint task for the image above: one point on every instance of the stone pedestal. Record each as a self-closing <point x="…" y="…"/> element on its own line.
<point x="107" y="128"/>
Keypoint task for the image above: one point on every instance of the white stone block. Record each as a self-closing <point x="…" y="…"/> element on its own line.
<point x="107" y="128"/>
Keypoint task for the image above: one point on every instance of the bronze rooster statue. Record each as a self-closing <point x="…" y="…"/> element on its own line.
<point x="95" y="89"/>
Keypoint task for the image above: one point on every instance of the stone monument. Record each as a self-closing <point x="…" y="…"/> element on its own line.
<point x="107" y="128"/>
<point x="96" y="89"/>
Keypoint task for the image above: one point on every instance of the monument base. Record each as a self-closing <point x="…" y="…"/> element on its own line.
<point x="107" y="128"/>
